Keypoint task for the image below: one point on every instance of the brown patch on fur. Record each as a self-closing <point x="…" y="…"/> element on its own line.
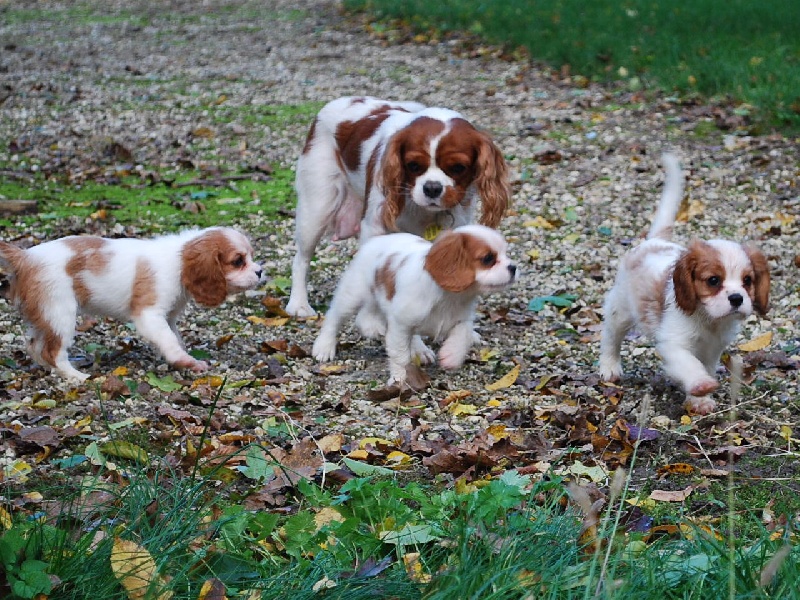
<point x="351" y="135"/>
<point x="453" y="260"/>
<point x="28" y="292"/>
<point x="310" y="137"/>
<point x="88" y="256"/>
<point x="385" y="277"/>
<point x="204" y="262"/>
<point x="652" y="303"/>
<point x="372" y="164"/>
<point x="483" y="164"/>
<point x="143" y="292"/>
<point x="691" y="274"/>
<point x="759" y="291"/>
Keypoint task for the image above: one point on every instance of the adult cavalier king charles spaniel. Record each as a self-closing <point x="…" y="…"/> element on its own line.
<point x="371" y="167"/>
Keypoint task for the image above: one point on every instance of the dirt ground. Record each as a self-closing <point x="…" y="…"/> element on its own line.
<point x="146" y="76"/>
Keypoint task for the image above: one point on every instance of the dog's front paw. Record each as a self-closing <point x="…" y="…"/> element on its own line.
<point x="610" y="370"/>
<point x="192" y="364"/>
<point x="324" y="349"/>
<point x="451" y="356"/>
<point x="699" y="405"/>
<point x="300" y="309"/>
<point x="703" y="387"/>
<point x="419" y="349"/>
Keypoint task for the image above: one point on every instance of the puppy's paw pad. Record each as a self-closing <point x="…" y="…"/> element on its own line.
<point x="704" y="387"/>
<point x="699" y="405"/>
<point x="450" y="360"/>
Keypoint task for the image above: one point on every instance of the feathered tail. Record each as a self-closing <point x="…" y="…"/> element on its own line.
<point x="11" y="256"/>
<point x="670" y="201"/>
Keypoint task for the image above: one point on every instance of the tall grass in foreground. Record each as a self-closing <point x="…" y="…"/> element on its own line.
<point x="506" y="539"/>
<point x="742" y="49"/>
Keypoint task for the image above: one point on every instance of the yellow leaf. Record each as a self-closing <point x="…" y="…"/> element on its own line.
<point x="44" y="404"/>
<point x="534" y="254"/>
<point x="459" y="409"/>
<point x="539" y="222"/>
<point x="19" y="468"/>
<point x="332" y="369"/>
<point x="213" y="381"/>
<point x="136" y="571"/>
<point x="268" y="322"/>
<point x="374" y="441"/>
<point x="398" y="458"/>
<point x="786" y="432"/>
<point x="120" y="371"/>
<point x="84" y="422"/>
<point x="494" y="403"/>
<point x="488" y="353"/>
<point x="5" y="518"/>
<point x="414" y="568"/>
<point x="505" y="381"/>
<point x="331" y="443"/>
<point x="326" y="516"/>
<point x="642" y="502"/>
<point x="686" y="420"/>
<point x="122" y="449"/>
<point x="758" y="343"/>
<point x="358" y="455"/>
<point x="497" y="431"/>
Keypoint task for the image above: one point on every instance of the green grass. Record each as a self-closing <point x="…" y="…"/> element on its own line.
<point x="509" y="538"/>
<point x="160" y="207"/>
<point x="745" y="50"/>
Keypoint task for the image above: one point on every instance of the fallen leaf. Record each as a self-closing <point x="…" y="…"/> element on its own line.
<point x="758" y="343"/>
<point x="671" y="496"/>
<point x="136" y="571"/>
<point x="122" y="449"/>
<point x="675" y="469"/>
<point x="212" y="589"/>
<point x="506" y="380"/>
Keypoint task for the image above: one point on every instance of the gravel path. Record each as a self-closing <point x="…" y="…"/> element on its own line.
<point x="586" y="171"/>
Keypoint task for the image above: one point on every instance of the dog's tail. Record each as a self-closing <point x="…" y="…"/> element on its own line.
<point x="11" y="257"/>
<point x="671" y="199"/>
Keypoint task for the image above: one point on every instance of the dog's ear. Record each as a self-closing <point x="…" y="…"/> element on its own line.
<point x="762" y="279"/>
<point x="392" y="182"/>
<point x="449" y="264"/>
<point x="683" y="279"/>
<point x="491" y="181"/>
<point x="201" y="269"/>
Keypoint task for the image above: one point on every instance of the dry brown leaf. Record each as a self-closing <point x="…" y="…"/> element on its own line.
<point x="671" y="496"/>
<point x="506" y="380"/>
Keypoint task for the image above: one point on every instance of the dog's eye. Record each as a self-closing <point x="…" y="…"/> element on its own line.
<point x="239" y="261"/>
<point x="747" y="281"/>
<point x="713" y="281"/>
<point x="457" y="169"/>
<point x="414" y="167"/>
<point x="489" y="259"/>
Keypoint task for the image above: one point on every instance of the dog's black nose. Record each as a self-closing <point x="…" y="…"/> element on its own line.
<point x="736" y="300"/>
<point x="432" y="189"/>
<point x="512" y="269"/>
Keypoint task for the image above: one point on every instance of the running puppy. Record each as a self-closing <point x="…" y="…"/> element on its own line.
<point x="690" y="300"/>
<point x="148" y="282"/>
<point x="403" y="287"/>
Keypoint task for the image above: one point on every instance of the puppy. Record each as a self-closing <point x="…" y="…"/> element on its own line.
<point x="690" y="300"/>
<point x="145" y="281"/>
<point x="371" y="167"/>
<point x="402" y="287"/>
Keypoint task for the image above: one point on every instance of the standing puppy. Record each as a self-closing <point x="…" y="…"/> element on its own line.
<point x="402" y="287"/>
<point x="372" y="167"/>
<point x="691" y="300"/>
<point x="148" y="282"/>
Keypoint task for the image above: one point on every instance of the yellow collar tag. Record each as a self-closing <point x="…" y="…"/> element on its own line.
<point x="431" y="232"/>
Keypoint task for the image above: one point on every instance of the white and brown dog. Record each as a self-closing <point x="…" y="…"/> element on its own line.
<point x="371" y="167"/>
<point x="403" y="287"/>
<point x="690" y="300"/>
<point x="148" y="282"/>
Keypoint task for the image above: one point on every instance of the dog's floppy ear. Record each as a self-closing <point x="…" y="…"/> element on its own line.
<point x="762" y="279"/>
<point x="492" y="182"/>
<point x="201" y="269"/>
<point x="683" y="279"/>
<point x="449" y="264"/>
<point x="392" y="182"/>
